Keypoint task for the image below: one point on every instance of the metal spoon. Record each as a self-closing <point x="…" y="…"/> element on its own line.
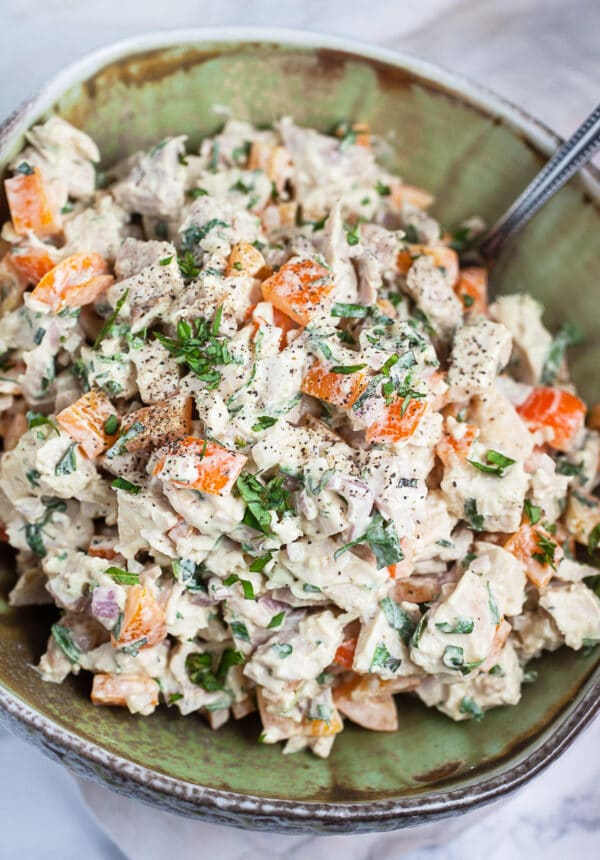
<point x="566" y="161"/>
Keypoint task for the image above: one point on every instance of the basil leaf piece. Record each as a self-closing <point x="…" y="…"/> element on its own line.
<point x="459" y="625"/>
<point x="382" y="538"/>
<point x="107" y="327"/>
<point x="63" y="638"/>
<point x="469" y="706"/>
<point x="67" y="463"/>
<point x="240" y="631"/>
<point x="533" y="512"/>
<point x="398" y="619"/>
<point x="282" y="649"/>
<point x="122" y="577"/>
<point x="276" y="620"/>
<point x="36" y="419"/>
<point x="474" y="519"/>
<point x="127" y="486"/>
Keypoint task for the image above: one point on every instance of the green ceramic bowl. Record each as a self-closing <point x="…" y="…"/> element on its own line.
<point x="476" y="153"/>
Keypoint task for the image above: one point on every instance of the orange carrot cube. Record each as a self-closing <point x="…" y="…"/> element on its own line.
<point x="538" y="551"/>
<point x="245" y="259"/>
<point x="143" y="619"/>
<point x="561" y="411"/>
<point x="159" y="424"/>
<point x="74" y="282"/>
<point x="411" y="194"/>
<point x="116" y="689"/>
<point x="30" y="264"/>
<point x="31" y="205"/>
<point x="339" y="389"/>
<point x="214" y="469"/>
<point x="471" y="289"/>
<point x="85" y="421"/>
<point x="299" y="289"/>
<point x="395" y="426"/>
<point x="344" y="656"/>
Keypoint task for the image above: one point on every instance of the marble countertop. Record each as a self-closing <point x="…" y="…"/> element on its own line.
<point x="543" y="55"/>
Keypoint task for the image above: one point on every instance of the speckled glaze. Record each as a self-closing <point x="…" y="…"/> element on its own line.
<point x="476" y="153"/>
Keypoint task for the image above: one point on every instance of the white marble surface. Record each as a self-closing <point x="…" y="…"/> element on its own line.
<point x="543" y="55"/>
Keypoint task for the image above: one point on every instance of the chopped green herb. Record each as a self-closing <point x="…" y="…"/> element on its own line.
<point x="533" y="512"/>
<point x="192" y="236"/>
<point x="571" y="470"/>
<point x="122" y="577"/>
<point x="196" y="192"/>
<point x="174" y="697"/>
<point x="453" y="657"/>
<point x="134" y="648"/>
<point x="569" y="335"/>
<point x="350" y="311"/>
<point x="127" y="486"/>
<point x="546" y="548"/>
<point x="111" y="425"/>
<point x="241" y="153"/>
<point x="398" y="619"/>
<point x="493" y="606"/>
<point x="497" y="670"/>
<point x="382" y="659"/>
<point x="461" y="239"/>
<point x="276" y="620"/>
<point x="470" y="706"/>
<point x="352" y="236"/>
<point x="107" y="327"/>
<point x="382" y="538"/>
<point x="24" y="169"/>
<point x="383" y="190"/>
<point x="36" y="419"/>
<point x="116" y="631"/>
<point x="282" y="649"/>
<point x="187" y="266"/>
<point x="411" y="233"/>
<point x="259" y="564"/>
<point x="467" y="300"/>
<point x="63" y="638"/>
<point x="347" y="368"/>
<point x="121" y="444"/>
<point x="496" y="463"/>
<point x="33" y="476"/>
<point x="530" y="676"/>
<point x="68" y="463"/>
<point x="594" y="538"/>
<point x="311" y="589"/>
<point x="240" y="631"/>
<point x="261" y="499"/>
<point x="459" y="625"/>
<point x="447" y="544"/>
<point x="263" y="423"/>
<point x="166" y="260"/>
<point x="197" y="346"/>
<point x="474" y="519"/>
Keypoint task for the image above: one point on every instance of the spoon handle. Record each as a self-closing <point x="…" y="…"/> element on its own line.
<point x="566" y="161"/>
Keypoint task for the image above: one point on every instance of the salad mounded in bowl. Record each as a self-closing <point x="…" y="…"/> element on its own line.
<point x="268" y="446"/>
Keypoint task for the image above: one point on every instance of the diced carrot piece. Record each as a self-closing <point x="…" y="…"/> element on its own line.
<point x="500" y="637"/>
<point x="594" y="417"/>
<point x="462" y="446"/>
<point x="217" y="469"/>
<point x="561" y="411"/>
<point x="30" y="264"/>
<point x="84" y="421"/>
<point x="31" y="205"/>
<point x="245" y="259"/>
<point x="158" y="424"/>
<point x="299" y="289"/>
<point x="322" y="728"/>
<point x="394" y="426"/>
<point x="443" y="257"/>
<point x="402" y="193"/>
<point x="344" y="656"/>
<point x="117" y="689"/>
<point x="102" y="547"/>
<point x="339" y="389"/>
<point x="76" y="281"/>
<point x="143" y="619"/>
<point x="273" y="160"/>
<point x="527" y="542"/>
<point x="471" y="288"/>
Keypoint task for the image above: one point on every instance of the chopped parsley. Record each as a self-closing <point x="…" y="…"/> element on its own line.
<point x="121" y="444"/>
<point x="198" y="346"/>
<point x="398" y="619"/>
<point x="459" y="625"/>
<point x="470" y="706"/>
<point x="495" y="463"/>
<point x="383" y="190"/>
<point x="122" y="577"/>
<point x="189" y="574"/>
<point x="546" y="550"/>
<point x="111" y="425"/>
<point x="34" y="531"/>
<point x="247" y="586"/>
<point x="571" y="470"/>
<point x="347" y="368"/>
<point x="199" y="668"/>
<point x="349" y="311"/>
<point x="196" y="192"/>
<point x="259" y="564"/>
<point x="276" y="620"/>
<point x="192" y="236"/>
<point x="63" y="638"/>
<point x="474" y="519"/>
<point x="282" y="649"/>
<point x="382" y="538"/>
<point x="382" y="659"/>
<point x="127" y="486"/>
<point x="594" y="538"/>
<point x="67" y="463"/>
<point x="263" y="423"/>
<point x="108" y="325"/>
<point x="36" y="419"/>
<point x="165" y="261"/>
<point x="568" y="335"/>
<point x="352" y="236"/>
<point x="240" y="631"/>
<point x="533" y="512"/>
<point x="261" y="499"/>
<point x="25" y="169"/>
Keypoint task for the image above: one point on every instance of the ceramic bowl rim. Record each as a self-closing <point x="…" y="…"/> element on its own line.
<point x="410" y="809"/>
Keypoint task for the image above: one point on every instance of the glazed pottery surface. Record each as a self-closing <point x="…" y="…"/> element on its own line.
<point x="475" y="153"/>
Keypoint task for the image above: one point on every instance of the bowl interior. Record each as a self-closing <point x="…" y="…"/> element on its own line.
<point x="474" y="163"/>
